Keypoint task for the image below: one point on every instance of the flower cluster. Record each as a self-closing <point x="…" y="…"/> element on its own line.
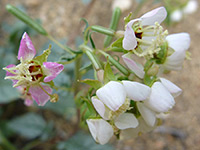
<point x="30" y="75"/>
<point x="128" y="107"/>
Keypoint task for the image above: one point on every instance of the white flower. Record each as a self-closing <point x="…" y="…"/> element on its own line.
<point x="179" y="42"/>
<point x="122" y="4"/>
<point x="111" y="104"/>
<point x="101" y="130"/>
<point x="150" y="18"/>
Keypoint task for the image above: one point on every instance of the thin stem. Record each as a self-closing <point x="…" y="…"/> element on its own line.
<point x="67" y="49"/>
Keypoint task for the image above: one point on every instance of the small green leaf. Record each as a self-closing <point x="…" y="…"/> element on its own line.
<point x="94" y="83"/>
<point x="103" y="30"/>
<point x="118" y="43"/>
<point x="108" y="74"/>
<point x="149" y="80"/>
<point x="128" y="18"/>
<point x="29" y="125"/>
<point x="43" y="58"/>
<point x="91" y="40"/>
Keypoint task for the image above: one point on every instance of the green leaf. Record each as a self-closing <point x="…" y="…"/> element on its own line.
<point x="26" y="19"/>
<point x="91" y="40"/>
<point x="128" y="18"/>
<point x="29" y="125"/>
<point x="82" y="141"/>
<point x="43" y="58"/>
<point x="93" y="83"/>
<point x="149" y="80"/>
<point x="118" y="43"/>
<point x="108" y="73"/>
<point x="103" y="30"/>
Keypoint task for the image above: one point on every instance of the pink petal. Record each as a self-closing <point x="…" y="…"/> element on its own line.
<point x="11" y="74"/>
<point x="28" y="102"/>
<point x="52" y="69"/>
<point x="8" y="73"/>
<point x="39" y="95"/>
<point x="156" y="15"/>
<point x="129" y="41"/>
<point x="133" y="66"/>
<point x="26" y="49"/>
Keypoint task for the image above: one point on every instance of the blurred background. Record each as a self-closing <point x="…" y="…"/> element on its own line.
<point x="50" y="127"/>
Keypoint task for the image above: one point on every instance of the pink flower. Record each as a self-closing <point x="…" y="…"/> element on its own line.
<point x="148" y="19"/>
<point x="29" y="75"/>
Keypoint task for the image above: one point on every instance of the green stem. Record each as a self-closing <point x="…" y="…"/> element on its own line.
<point x="88" y="51"/>
<point x="119" y="66"/>
<point x="67" y="49"/>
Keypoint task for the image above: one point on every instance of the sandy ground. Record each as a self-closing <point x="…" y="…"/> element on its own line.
<point x="61" y="18"/>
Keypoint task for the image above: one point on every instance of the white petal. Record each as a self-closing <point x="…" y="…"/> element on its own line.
<point x="134" y="132"/>
<point x="176" y="16"/>
<point x="125" y="121"/>
<point x="100" y="108"/>
<point x="129" y="41"/>
<point x="191" y="7"/>
<point x="180" y="42"/>
<point x="133" y="66"/>
<point x="101" y="130"/>
<point x="171" y="87"/>
<point x="160" y="99"/>
<point x="148" y="115"/>
<point x="122" y="4"/>
<point x="156" y="15"/>
<point x="136" y="91"/>
<point x="113" y="95"/>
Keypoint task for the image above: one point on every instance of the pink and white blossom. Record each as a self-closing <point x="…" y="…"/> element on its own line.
<point x="29" y="75"/>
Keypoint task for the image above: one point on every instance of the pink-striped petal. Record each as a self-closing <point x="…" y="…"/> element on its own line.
<point x="156" y="15"/>
<point x="39" y="95"/>
<point x="26" y="49"/>
<point x="52" y="69"/>
<point x="133" y="66"/>
<point x="129" y="41"/>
